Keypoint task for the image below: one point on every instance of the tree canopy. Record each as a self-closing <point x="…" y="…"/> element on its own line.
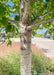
<point x="40" y="10"/>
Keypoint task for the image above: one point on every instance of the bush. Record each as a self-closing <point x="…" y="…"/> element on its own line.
<point x="38" y="65"/>
<point x="10" y="63"/>
<point x="51" y="67"/>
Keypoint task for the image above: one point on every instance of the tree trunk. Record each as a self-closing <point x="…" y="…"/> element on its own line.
<point x="25" y="39"/>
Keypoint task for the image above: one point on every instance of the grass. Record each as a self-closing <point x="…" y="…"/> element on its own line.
<point x="10" y="63"/>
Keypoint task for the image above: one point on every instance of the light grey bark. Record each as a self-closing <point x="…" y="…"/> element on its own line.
<point x="25" y="37"/>
<point x="41" y="16"/>
<point x="25" y="40"/>
<point x="39" y="23"/>
<point x="26" y="17"/>
<point x="13" y="21"/>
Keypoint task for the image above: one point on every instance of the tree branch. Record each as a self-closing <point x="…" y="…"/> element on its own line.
<point x="40" y="16"/>
<point x="2" y="43"/>
<point x="26" y="16"/>
<point x="13" y="21"/>
<point x="39" y="23"/>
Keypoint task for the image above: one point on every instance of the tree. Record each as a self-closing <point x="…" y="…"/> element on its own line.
<point x="38" y="34"/>
<point x="29" y="15"/>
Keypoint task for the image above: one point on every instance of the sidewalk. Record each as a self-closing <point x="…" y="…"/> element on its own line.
<point x="46" y="45"/>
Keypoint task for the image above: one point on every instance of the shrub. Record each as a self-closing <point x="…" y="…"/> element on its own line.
<point x="51" y="67"/>
<point x="10" y="63"/>
<point x="38" y="65"/>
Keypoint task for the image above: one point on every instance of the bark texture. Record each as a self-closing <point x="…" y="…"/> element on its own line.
<point x="25" y="39"/>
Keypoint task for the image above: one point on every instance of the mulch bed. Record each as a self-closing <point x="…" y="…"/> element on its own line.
<point x="15" y="46"/>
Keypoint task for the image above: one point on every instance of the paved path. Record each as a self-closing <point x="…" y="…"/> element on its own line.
<point x="46" y="44"/>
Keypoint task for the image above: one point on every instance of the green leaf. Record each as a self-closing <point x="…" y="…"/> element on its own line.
<point x="9" y="43"/>
<point x="2" y="10"/>
<point x="8" y="28"/>
<point x="17" y="18"/>
<point x="47" y="0"/>
<point x="4" y="21"/>
<point x="6" y="38"/>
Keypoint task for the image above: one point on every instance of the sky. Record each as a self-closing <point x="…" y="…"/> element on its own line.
<point x="41" y="31"/>
<point x="38" y="31"/>
<point x="10" y="3"/>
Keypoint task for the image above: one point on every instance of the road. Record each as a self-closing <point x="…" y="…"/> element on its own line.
<point x="46" y="45"/>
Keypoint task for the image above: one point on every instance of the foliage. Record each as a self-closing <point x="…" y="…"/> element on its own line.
<point x="38" y="34"/>
<point x="41" y="63"/>
<point x="10" y="63"/>
<point x="53" y="37"/>
<point x="52" y="65"/>
<point x="10" y="9"/>
<point x="38" y="63"/>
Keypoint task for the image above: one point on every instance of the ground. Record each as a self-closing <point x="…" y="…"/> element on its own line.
<point x="45" y="45"/>
<point x="15" y="46"/>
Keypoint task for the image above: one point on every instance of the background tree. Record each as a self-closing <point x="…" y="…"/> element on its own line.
<point x="27" y="16"/>
<point x="39" y="35"/>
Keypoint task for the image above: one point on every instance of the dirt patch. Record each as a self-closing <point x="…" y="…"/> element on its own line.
<point x="15" y="46"/>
